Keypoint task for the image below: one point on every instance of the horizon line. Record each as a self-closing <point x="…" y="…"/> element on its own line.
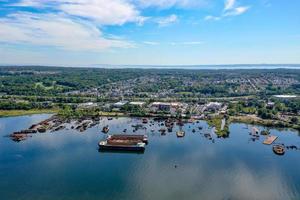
<point x="148" y="66"/>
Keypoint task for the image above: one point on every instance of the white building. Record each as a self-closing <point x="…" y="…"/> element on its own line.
<point x="120" y="104"/>
<point x="213" y="106"/>
<point x="87" y="105"/>
<point x="163" y="106"/>
<point x="137" y="103"/>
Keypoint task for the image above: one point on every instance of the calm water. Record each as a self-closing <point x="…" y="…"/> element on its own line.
<point x="67" y="165"/>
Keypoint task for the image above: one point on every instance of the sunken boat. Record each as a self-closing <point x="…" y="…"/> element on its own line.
<point x="105" y="129"/>
<point x="145" y="120"/>
<point x="18" y="137"/>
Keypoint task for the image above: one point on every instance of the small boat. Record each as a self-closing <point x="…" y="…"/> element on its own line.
<point x="152" y="130"/>
<point x="109" y="118"/>
<point x="145" y="120"/>
<point x="105" y="129"/>
<point x="137" y="126"/>
<point x="254" y="131"/>
<point x="193" y="130"/>
<point x="162" y="131"/>
<point x="180" y="133"/>
<point x="121" y="146"/>
<point x="208" y="136"/>
<point x="58" y="128"/>
<point x="124" y="131"/>
<point x="18" y="137"/>
<point x="170" y="129"/>
<point x="191" y="120"/>
<point x="279" y="149"/>
<point x="265" y="132"/>
<point x="34" y="126"/>
<point x="200" y="127"/>
<point x="41" y="130"/>
<point x="28" y="131"/>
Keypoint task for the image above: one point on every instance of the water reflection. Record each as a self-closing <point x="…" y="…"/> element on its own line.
<point x="200" y="181"/>
<point x="67" y="164"/>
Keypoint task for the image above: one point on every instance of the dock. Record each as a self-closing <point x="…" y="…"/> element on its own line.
<point x="270" y="139"/>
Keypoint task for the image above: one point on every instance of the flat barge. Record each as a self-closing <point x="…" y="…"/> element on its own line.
<point x="140" y="138"/>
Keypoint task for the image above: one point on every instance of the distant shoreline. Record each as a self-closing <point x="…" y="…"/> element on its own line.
<point x="182" y="67"/>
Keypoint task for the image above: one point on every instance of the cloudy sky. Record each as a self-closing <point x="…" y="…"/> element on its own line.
<point x="152" y="32"/>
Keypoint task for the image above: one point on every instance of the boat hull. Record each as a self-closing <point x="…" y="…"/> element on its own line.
<point x="121" y="148"/>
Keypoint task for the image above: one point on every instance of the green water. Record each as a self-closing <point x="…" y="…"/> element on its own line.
<point x="67" y="165"/>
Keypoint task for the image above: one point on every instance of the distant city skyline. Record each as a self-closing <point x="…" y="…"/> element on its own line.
<point x="149" y="32"/>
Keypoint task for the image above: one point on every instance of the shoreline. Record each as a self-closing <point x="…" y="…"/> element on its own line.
<point x="215" y="121"/>
<point x="16" y="113"/>
<point x="263" y="122"/>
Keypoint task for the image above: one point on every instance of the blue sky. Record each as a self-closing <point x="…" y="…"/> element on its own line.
<point x="149" y="32"/>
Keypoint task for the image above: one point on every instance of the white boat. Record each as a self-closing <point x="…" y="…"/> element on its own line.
<point x="180" y="133"/>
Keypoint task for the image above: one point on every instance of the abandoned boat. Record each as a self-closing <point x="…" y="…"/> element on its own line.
<point x="105" y="129"/>
<point x="180" y="133"/>
<point x="279" y="149"/>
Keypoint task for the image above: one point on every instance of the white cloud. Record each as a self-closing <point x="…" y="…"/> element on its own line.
<point x="167" y="20"/>
<point x="187" y="43"/>
<point x="28" y="3"/>
<point x="55" y="30"/>
<point x="237" y="11"/>
<point x="150" y="43"/>
<point x="230" y="9"/>
<point x="213" y="18"/>
<point x="229" y="4"/>
<point x="172" y="3"/>
<point x="105" y="12"/>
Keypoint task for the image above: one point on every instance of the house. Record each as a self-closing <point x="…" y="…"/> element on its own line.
<point x="87" y="105"/>
<point x="163" y="106"/>
<point x="270" y="105"/>
<point x="120" y="104"/>
<point x="213" y="106"/>
<point x="160" y="106"/>
<point x="137" y="103"/>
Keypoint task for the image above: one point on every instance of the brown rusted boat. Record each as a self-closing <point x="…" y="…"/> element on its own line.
<point x="279" y="149"/>
<point x="18" y="137"/>
<point x="140" y="138"/>
<point x="105" y="129"/>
